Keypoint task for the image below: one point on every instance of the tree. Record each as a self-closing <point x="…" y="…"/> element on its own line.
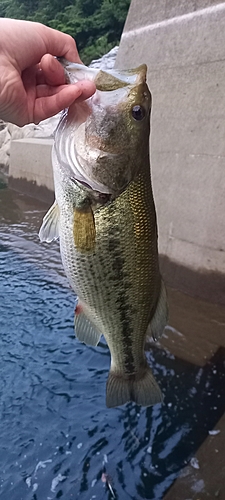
<point x="96" y="25"/>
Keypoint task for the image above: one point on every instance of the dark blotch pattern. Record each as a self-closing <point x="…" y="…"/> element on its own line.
<point x="119" y="274"/>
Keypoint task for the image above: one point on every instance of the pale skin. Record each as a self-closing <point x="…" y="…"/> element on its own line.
<point x="32" y="81"/>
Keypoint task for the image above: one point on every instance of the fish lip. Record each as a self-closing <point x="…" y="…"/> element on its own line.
<point x="77" y="71"/>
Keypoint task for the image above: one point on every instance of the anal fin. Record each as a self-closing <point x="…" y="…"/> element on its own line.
<point x="85" y="330"/>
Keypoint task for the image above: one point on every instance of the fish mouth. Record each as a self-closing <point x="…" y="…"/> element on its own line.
<point x="104" y="79"/>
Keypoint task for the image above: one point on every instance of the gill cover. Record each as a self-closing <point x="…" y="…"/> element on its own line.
<point x="92" y="141"/>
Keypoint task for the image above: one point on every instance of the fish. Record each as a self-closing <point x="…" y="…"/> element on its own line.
<point x="104" y="216"/>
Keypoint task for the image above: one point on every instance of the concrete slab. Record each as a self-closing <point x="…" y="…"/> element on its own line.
<point x="142" y="13"/>
<point x="196" y="335"/>
<point x="30" y="169"/>
<point x="183" y="44"/>
<point x="205" y="479"/>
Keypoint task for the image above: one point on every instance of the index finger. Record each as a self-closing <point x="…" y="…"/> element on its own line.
<point x="53" y="70"/>
<point x="60" y="44"/>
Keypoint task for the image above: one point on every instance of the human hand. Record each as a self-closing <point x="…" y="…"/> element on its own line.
<point x="32" y="81"/>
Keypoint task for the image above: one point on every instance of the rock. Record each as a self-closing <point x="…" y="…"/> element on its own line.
<point x="4" y="159"/>
<point x="107" y="61"/>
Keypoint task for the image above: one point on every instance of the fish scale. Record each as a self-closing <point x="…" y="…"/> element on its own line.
<point x="108" y="233"/>
<point x="122" y="297"/>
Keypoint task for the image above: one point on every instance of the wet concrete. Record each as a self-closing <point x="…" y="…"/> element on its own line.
<point x="31" y="188"/>
<point x="198" y="328"/>
<point x="209" y="285"/>
<point x="205" y="478"/>
<point x="30" y="160"/>
<point x="198" y="336"/>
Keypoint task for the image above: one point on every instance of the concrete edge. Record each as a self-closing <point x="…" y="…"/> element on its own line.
<point x="206" y="285"/>
<point x="31" y="188"/>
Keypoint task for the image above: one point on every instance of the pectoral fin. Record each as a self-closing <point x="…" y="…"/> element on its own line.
<point x="84" y="229"/>
<point x="50" y="226"/>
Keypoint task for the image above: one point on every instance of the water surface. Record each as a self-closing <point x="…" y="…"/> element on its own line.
<point x="58" y="439"/>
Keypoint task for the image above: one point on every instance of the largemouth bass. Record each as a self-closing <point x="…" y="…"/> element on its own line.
<point x="104" y="216"/>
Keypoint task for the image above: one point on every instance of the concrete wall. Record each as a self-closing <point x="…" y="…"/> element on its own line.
<point x="183" y="44"/>
<point x="30" y="169"/>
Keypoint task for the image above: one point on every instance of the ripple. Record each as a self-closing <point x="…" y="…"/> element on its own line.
<point x="58" y="439"/>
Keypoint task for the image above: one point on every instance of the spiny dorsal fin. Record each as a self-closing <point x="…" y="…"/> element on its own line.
<point x="50" y="226"/>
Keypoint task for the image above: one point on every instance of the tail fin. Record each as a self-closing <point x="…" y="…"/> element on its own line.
<point x="142" y="390"/>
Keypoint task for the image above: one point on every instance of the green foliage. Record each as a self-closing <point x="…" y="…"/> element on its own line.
<point x="96" y="25"/>
<point x="13" y="9"/>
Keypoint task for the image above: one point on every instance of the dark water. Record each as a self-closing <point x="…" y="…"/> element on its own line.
<point x="58" y="439"/>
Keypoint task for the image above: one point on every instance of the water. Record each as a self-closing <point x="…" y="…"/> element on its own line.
<point x="58" y="439"/>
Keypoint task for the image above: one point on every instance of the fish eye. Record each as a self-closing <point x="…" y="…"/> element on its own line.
<point x="138" y="112"/>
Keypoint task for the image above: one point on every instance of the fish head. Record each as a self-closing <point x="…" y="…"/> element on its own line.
<point x="105" y="140"/>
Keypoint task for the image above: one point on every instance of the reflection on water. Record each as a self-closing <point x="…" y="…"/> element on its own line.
<point x="58" y="440"/>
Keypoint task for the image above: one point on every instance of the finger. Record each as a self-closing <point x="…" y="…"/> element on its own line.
<point x="36" y="40"/>
<point x="61" y="45"/>
<point x="29" y="82"/>
<point x="87" y="87"/>
<point x="81" y="90"/>
<point x="49" y="105"/>
<point x="40" y="76"/>
<point x="53" y="71"/>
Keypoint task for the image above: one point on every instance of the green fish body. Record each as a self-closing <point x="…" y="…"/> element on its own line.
<point x="104" y="216"/>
